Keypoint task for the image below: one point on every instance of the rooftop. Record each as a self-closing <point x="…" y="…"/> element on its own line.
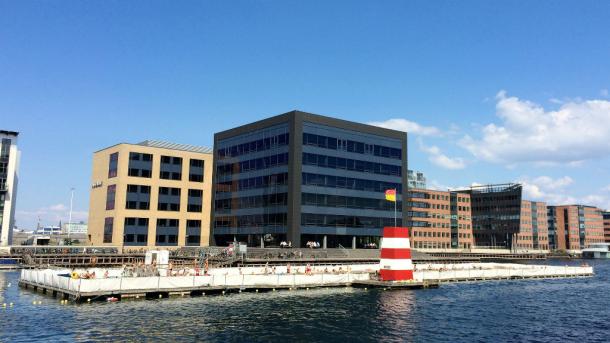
<point x="176" y="146"/>
<point x="10" y="133"/>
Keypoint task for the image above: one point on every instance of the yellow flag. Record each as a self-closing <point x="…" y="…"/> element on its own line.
<point x="390" y="195"/>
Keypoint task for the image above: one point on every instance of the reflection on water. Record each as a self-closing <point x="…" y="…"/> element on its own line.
<point x="539" y="310"/>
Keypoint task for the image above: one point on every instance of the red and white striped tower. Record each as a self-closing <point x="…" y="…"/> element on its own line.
<point x="396" y="263"/>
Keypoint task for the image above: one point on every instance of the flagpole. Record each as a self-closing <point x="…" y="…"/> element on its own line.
<point x="395" y="201"/>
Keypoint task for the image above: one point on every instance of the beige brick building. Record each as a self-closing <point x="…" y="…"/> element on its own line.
<point x="150" y="194"/>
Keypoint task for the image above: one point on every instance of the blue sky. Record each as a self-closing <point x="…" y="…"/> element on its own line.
<point x="491" y="91"/>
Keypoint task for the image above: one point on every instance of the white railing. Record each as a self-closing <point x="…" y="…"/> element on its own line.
<point x="51" y="278"/>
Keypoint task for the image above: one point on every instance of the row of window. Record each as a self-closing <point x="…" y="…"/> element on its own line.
<point x="167" y="231"/>
<point x="426" y="214"/>
<point x="439" y="245"/>
<point x="417" y="233"/>
<point x="253" y="164"/>
<point x="256" y="201"/>
<point x="253" y="146"/>
<point x="348" y="183"/>
<point x="351" y="146"/>
<point x="416" y="223"/>
<point x="138" y="197"/>
<point x="327" y="200"/>
<point x="140" y="165"/>
<point x="254" y="220"/>
<point x="349" y="164"/>
<point x="330" y="220"/>
<point x="265" y="181"/>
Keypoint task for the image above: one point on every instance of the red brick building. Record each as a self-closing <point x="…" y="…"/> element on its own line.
<point x="439" y="220"/>
<point x="575" y="227"/>
<point x="606" y="216"/>
<point x="533" y="229"/>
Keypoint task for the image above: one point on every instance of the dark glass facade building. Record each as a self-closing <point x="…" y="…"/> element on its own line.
<point x="302" y="177"/>
<point x="496" y="214"/>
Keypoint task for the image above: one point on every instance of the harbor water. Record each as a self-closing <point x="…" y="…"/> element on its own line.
<point x="567" y="310"/>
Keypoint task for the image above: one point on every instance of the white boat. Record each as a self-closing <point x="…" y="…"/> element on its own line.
<point x="597" y="250"/>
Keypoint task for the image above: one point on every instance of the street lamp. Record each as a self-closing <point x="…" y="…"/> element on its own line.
<point x="70" y="215"/>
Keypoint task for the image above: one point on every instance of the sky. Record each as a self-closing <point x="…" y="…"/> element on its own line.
<point x="490" y="92"/>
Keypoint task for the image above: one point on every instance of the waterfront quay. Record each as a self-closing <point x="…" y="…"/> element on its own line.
<point x="115" y="283"/>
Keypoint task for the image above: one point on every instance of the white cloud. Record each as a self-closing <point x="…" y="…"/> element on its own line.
<point x="48" y="215"/>
<point x="577" y="131"/>
<point x="606" y="189"/>
<point x="436" y="156"/>
<point x="553" y="192"/>
<point x="58" y="207"/>
<point x="604" y="93"/>
<point x="437" y="186"/>
<point x="407" y="126"/>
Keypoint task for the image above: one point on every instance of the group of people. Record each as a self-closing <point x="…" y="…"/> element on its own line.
<point x="86" y="274"/>
<point x="308" y="270"/>
<point x="284" y="244"/>
<point x="312" y="245"/>
<point x="370" y="245"/>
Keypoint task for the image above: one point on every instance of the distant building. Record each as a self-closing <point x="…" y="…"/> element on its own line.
<point x="49" y="230"/>
<point x="9" y="166"/>
<point x="303" y="177"/>
<point x="439" y="220"/>
<point x="533" y="231"/>
<point x="502" y="219"/>
<point x="75" y="228"/>
<point x="575" y="227"/>
<point x="416" y="179"/>
<point x="151" y="194"/>
<point x="606" y="216"/>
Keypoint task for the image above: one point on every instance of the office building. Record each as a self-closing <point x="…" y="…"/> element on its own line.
<point x="9" y="166"/>
<point x="49" y="230"/>
<point x="151" y="194"/>
<point x="303" y="177"/>
<point x="502" y="219"/>
<point x="416" y="179"/>
<point x="74" y="228"/>
<point x="439" y="220"/>
<point x="575" y="227"/>
<point x="606" y="216"/>
<point x="533" y="231"/>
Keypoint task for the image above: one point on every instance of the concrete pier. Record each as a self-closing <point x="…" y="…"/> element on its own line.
<point x="264" y="279"/>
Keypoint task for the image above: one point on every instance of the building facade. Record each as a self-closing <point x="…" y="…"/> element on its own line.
<point x="9" y="166"/>
<point x="302" y="177"/>
<point x="533" y="231"/>
<point x="575" y="227"/>
<point x="606" y="216"/>
<point x="501" y="219"/>
<point x="151" y="194"/>
<point x="74" y="228"/>
<point x="416" y="179"/>
<point x="496" y="211"/>
<point x="439" y="220"/>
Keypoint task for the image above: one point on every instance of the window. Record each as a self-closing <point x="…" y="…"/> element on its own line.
<point x="193" y="232"/>
<point x="138" y="197"/>
<point x="196" y="170"/>
<point x="169" y="199"/>
<point x="171" y="168"/>
<point x="113" y="165"/>
<point x="108" y="227"/>
<point x="135" y="231"/>
<point x="110" y="196"/>
<point x="167" y="231"/>
<point x="195" y="200"/>
<point x="140" y="165"/>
